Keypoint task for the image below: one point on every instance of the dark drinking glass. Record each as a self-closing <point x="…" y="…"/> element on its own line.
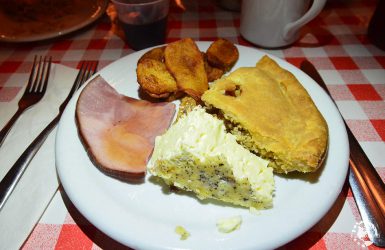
<point x="141" y="36"/>
<point x="144" y="21"/>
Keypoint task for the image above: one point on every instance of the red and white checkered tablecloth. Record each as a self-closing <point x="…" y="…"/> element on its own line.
<point x="335" y="42"/>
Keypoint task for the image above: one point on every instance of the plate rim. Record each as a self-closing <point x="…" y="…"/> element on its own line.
<point x="132" y="242"/>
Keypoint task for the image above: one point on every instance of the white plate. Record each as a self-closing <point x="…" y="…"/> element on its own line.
<point x="52" y="27"/>
<point x="145" y="216"/>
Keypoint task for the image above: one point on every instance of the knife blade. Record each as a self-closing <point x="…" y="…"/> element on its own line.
<point x="367" y="187"/>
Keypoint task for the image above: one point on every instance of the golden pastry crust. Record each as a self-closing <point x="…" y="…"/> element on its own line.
<point x="273" y="115"/>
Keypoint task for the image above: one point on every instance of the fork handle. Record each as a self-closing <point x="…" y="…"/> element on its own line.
<point x="8" y="183"/>
<point x="8" y="126"/>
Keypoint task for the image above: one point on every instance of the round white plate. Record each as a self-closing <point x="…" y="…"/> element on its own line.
<point x="145" y="215"/>
<point x="55" y="29"/>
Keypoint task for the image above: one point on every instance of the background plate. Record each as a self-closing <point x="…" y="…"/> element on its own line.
<point x="145" y="215"/>
<point x="35" y="28"/>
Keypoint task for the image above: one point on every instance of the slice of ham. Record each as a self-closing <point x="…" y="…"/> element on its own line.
<point x="118" y="131"/>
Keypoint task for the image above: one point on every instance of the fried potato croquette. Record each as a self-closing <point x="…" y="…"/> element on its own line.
<point x="155" y="54"/>
<point x="185" y="62"/>
<point x="213" y="73"/>
<point x="180" y="68"/>
<point x="222" y="54"/>
<point x="155" y="79"/>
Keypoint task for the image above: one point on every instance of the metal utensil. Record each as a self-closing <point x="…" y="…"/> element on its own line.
<point x="367" y="186"/>
<point x="13" y="176"/>
<point x="34" y="92"/>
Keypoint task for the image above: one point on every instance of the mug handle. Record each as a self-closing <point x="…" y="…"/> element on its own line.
<point x="291" y="28"/>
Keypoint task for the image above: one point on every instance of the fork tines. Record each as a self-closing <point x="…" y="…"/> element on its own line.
<point x="34" y="91"/>
<point x="35" y="82"/>
<point x="87" y="69"/>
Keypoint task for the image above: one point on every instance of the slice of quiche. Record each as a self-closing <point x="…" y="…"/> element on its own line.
<point x="272" y="115"/>
<point x="198" y="155"/>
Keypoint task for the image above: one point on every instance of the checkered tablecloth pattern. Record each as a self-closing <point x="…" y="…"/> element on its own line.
<point x="335" y="42"/>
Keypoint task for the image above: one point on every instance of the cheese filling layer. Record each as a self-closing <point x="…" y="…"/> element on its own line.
<point x="197" y="154"/>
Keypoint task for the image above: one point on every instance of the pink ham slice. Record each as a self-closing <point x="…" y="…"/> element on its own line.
<point x="118" y="131"/>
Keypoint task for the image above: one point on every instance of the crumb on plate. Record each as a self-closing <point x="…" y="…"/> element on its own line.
<point x="228" y="225"/>
<point x="182" y="232"/>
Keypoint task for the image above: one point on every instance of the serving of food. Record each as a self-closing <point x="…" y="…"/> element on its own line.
<point x="180" y="67"/>
<point x="250" y="133"/>
<point x="33" y="20"/>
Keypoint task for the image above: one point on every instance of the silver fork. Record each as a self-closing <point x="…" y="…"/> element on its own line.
<point x="8" y="183"/>
<point x="34" y="92"/>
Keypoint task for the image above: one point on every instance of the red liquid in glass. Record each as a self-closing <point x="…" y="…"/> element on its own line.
<point x="145" y="35"/>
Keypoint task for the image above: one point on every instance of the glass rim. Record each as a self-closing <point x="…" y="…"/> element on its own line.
<point x="138" y="4"/>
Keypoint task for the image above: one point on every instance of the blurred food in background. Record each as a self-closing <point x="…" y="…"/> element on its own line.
<point x="30" y="17"/>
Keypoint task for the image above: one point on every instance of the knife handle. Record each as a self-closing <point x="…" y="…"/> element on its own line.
<point x="369" y="210"/>
<point x="360" y="162"/>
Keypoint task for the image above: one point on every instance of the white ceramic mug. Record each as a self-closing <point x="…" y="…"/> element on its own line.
<point x="276" y="23"/>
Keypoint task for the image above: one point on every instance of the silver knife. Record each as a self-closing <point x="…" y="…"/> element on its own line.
<point x="367" y="187"/>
